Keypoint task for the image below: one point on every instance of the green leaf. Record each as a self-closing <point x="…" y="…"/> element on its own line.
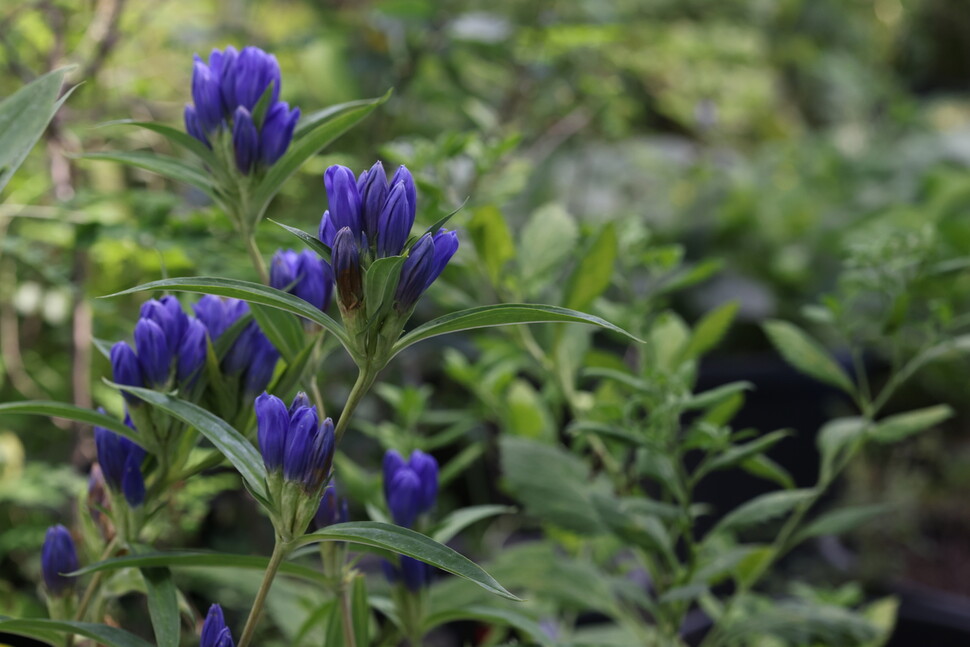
<point x="595" y="270"/>
<point x="441" y="222"/>
<point x="24" y="116"/>
<point x="806" y="355"/>
<point x="837" y="522"/>
<point x="174" y="135"/>
<point x="763" y="508"/>
<point x="490" y="616"/>
<point x="461" y="519"/>
<point x="70" y="412"/>
<point x="903" y="425"/>
<point x="501" y="315"/>
<point x="233" y="445"/>
<point x="360" y="610"/>
<point x="314" y="119"/>
<point x="247" y="291"/>
<point x="412" y="544"/>
<point x="164" y="165"/>
<point x="837" y="441"/>
<point x="314" y="137"/>
<point x="103" y="634"/>
<point x="311" y="241"/>
<point x="739" y="453"/>
<point x="380" y="283"/>
<point x="162" y="605"/>
<point x="492" y="240"/>
<point x="763" y="467"/>
<point x="548" y="239"/>
<point x="716" y="395"/>
<point x="283" y="329"/>
<point x="801" y="623"/>
<point x="201" y="559"/>
<point x="710" y="330"/>
<point x="605" y="430"/>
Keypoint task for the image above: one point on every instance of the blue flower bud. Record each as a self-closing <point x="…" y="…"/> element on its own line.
<point x="305" y="275"/>
<point x="346" y="270"/>
<point x="303" y="429"/>
<point x="215" y="633"/>
<point x="445" y="246"/>
<point x="393" y="461"/>
<point x="333" y="508"/>
<point x="58" y="556"/>
<point x="217" y="315"/>
<point x="414" y="274"/>
<point x="261" y="366"/>
<point x="222" y="65"/>
<point x="207" y="97"/>
<point x="402" y="175"/>
<point x="272" y="423"/>
<point x="245" y="140"/>
<point x="192" y="125"/>
<point x="404" y="496"/>
<point x="301" y="400"/>
<point x="327" y="231"/>
<point x="126" y="369"/>
<point x="414" y="573"/>
<point x="132" y="481"/>
<point x="153" y="352"/>
<point x="372" y="187"/>
<point x="426" y="467"/>
<point x="168" y="314"/>
<point x="320" y="461"/>
<point x="395" y="222"/>
<point x="254" y="70"/>
<point x="282" y="269"/>
<point x="240" y="354"/>
<point x="192" y="352"/>
<point x="120" y="460"/>
<point x="344" y="199"/>
<point x="277" y="132"/>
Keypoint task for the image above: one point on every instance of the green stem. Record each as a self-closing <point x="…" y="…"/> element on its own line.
<point x="280" y="552"/>
<point x="350" y="640"/>
<point x="255" y="256"/>
<point x="364" y="380"/>
<point x="95" y="582"/>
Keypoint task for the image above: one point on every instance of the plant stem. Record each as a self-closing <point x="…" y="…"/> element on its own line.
<point x="94" y="583"/>
<point x="364" y="380"/>
<point x="255" y="256"/>
<point x="280" y="551"/>
<point x="350" y="640"/>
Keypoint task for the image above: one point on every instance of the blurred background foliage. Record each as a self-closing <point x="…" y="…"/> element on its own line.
<point x="717" y="150"/>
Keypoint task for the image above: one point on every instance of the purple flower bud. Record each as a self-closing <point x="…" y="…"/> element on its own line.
<point x="414" y="573"/>
<point x="305" y="275"/>
<point x="426" y="467"/>
<point x="241" y="353"/>
<point x="168" y="314"/>
<point x="223" y="65"/>
<point x="327" y="231"/>
<point x="333" y="508"/>
<point x="301" y="400"/>
<point x="414" y="274"/>
<point x="153" y="352"/>
<point x="207" y="97"/>
<point x="132" y="481"/>
<point x="344" y="199"/>
<point x="303" y="430"/>
<point x="396" y="220"/>
<point x="404" y="496"/>
<point x="445" y="246"/>
<point x="192" y="125"/>
<point x="393" y="461"/>
<point x="215" y="633"/>
<point x="126" y="369"/>
<point x="97" y="493"/>
<point x="277" y="132"/>
<point x="272" y="423"/>
<point x="403" y="176"/>
<point x="254" y="70"/>
<point x="245" y="140"/>
<point x="282" y="269"/>
<point x="372" y="187"/>
<point x="57" y="557"/>
<point x="262" y="365"/>
<point x="120" y="460"/>
<point x="320" y="459"/>
<point x="347" y="271"/>
<point x="192" y="352"/>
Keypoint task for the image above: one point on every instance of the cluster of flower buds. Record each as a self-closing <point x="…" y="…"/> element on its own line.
<point x="370" y="218"/>
<point x="333" y="508"/>
<point x="304" y="275"/>
<point x="58" y="557"/>
<point x="120" y="461"/>
<point x="297" y="449"/>
<point x="215" y="633"/>
<point x="170" y="349"/>
<point x="236" y="102"/>
<point x="410" y="489"/>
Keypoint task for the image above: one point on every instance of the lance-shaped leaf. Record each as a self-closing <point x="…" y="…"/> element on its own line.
<point x="162" y="605"/>
<point x="412" y="544"/>
<point x="201" y="559"/>
<point x="165" y="165"/>
<point x="490" y="616"/>
<point x="174" y="135"/>
<point x="806" y="355"/>
<point x="311" y="241"/>
<point x="42" y="628"/>
<point x="70" y="412"/>
<point x="502" y="315"/>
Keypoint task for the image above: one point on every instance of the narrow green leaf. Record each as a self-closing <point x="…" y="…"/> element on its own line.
<point x="738" y="453"/>
<point x="458" y="520"/>
<point x="837" y="522"/>
<point x="492" y="240"/>
<point x="605" y="430"/>
<point x="491" y="616"/>
<point x="309" y="143"/>
<point x="70" y="412"/>
<point x="311" y="241"/>
<point x="162" y="605"/>
<point x="903" y="425"/>
<point x="360" y="610"/>
<point x="200" y="559"/>
<point x="595" y="270"/>
<point x="314" y="119"/>
<point x="501" y="315"/>
<point x="412" y="544"/>
<point x="380" y="282"/>
<point x="103" y="634"/>
<point x="247" y="291"/>
<point x="165" y="165"/>
<point x="547" y="240"/>
<point x="227" y="440"/>
<point x="763" y="508"/>
<point x="441" y="222"/>
<point x="806" y="355"/>
<point x="174" y="135"/>
<point x="837" y="441"/>
<point x="283" y="329"/>
<point x="717" y="395"/>
<point x="765" y="468"/>
<point x="710" y="330"/>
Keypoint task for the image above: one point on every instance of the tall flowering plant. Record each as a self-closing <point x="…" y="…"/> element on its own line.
<point x="226" y="384"/>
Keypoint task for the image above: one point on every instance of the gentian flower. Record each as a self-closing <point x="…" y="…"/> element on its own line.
<point x="333" y="508"/>
<point x="215" y="633"/>
<point x="226" y="94"/>
<point x="410" y="487"/>
<point x="251" y="357"/>
<point x="120" y="460"/>
<point x="297" y="444"/>
<point x="57" y="557"/>
<point x="305" y="275"/>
